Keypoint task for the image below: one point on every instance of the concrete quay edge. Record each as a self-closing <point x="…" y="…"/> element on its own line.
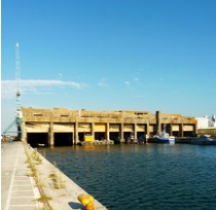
<point x="65" y="198"/>
<point x="61" y="199"/>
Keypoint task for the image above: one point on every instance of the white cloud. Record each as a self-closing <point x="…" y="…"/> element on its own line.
<point x="135" y="80"/>
<point x="8" y="87"/>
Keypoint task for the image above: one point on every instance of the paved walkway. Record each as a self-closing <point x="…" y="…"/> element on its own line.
<point x="17" y="191"/>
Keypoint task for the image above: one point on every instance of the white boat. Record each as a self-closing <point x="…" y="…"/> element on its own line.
<point x="165" y="138"/>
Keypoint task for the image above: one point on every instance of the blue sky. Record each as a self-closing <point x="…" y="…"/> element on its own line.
<point x="110" y="55"/>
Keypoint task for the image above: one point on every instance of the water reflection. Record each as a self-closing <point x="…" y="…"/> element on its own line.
<point x="151" y="176"/>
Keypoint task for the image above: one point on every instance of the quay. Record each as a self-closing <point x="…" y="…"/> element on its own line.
<point x="63" y="127"/>
<point x="210" y="131"/>
<point x="22" y="191"/>
<point x="17" y="190"/>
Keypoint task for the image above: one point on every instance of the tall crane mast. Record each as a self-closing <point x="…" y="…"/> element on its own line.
<point x="18" y="117"/>
<point x="18" y="94"/>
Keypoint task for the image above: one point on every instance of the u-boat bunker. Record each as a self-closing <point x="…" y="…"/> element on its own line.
<point x="63" y="127"/>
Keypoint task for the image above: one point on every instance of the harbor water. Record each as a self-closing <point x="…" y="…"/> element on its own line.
<point x="151" y="176"/>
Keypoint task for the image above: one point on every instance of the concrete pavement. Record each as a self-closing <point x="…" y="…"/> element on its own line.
<point x="19" y="191"/>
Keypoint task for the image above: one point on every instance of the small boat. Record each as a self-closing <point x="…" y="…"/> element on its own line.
<point x="165" y="138"/>
<point x="204" y="140"/>
<point x="41" y="145"/>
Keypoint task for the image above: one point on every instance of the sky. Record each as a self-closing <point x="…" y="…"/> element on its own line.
<point x="145" y="55"/>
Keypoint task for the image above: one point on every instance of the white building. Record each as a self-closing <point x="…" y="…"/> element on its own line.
<point x="206" y="122"/>
<point x="202" y="122"/>
<point x="213" y="121"/>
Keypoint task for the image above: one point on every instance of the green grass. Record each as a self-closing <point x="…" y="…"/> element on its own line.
<point x="43" y="199"/>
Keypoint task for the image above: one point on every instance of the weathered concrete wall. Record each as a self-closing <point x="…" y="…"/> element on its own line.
<point x="104" y="124"/>
<point x="210" y="131"/>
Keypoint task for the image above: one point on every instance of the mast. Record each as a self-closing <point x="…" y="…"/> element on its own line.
<point x="18" y="93"/>
<point x="18" y="116"/>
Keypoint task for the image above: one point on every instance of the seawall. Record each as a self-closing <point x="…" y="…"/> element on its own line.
<point x="30" y="182"/>
<point x="60" y="188"/>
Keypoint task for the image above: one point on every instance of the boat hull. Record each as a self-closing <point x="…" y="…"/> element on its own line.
<point x="165" y="140"/>
<point x="204" y="140"/>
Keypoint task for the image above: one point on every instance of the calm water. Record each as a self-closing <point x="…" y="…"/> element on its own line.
<point x="142" y="177"/>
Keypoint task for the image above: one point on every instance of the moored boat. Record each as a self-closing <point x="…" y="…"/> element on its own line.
<point x="204" y="140"/>
<point x="163" y="138"/>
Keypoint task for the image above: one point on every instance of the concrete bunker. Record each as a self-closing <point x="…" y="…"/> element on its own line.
<point x="115" y="132"/>
<point x="141" y="135"/>
<point x="63" y="139"/>
<point x="65" y="127"/>
<point x="100" y="136"/>
<point x="128" y="136"/>
<point x="37" y="139"/>
<point x="100" y="131"/>
<point x="115" y="136"/>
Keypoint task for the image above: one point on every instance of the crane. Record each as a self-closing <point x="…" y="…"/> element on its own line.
<point x="18" y="116"/>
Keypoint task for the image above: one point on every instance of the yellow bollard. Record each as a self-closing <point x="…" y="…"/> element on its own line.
<point x="87" y="201"/>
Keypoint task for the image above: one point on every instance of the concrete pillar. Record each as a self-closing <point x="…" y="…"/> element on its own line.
<point x="181" y="127"/>
<point x="51" y="135"/>
<point x="122" y="133"/>
<point x="171" y="131"/>
<point x="76" y="133"/>
<point x="73" y="136"/>
<point x="195" y="129"/>
<point x="107" y="132"/>
<point x="93" y="130"/>
<point x="158" y="122"/>
<point x="73" y="139"/>
<point x="147" y="129"/>
<point x="135" y="131"/>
